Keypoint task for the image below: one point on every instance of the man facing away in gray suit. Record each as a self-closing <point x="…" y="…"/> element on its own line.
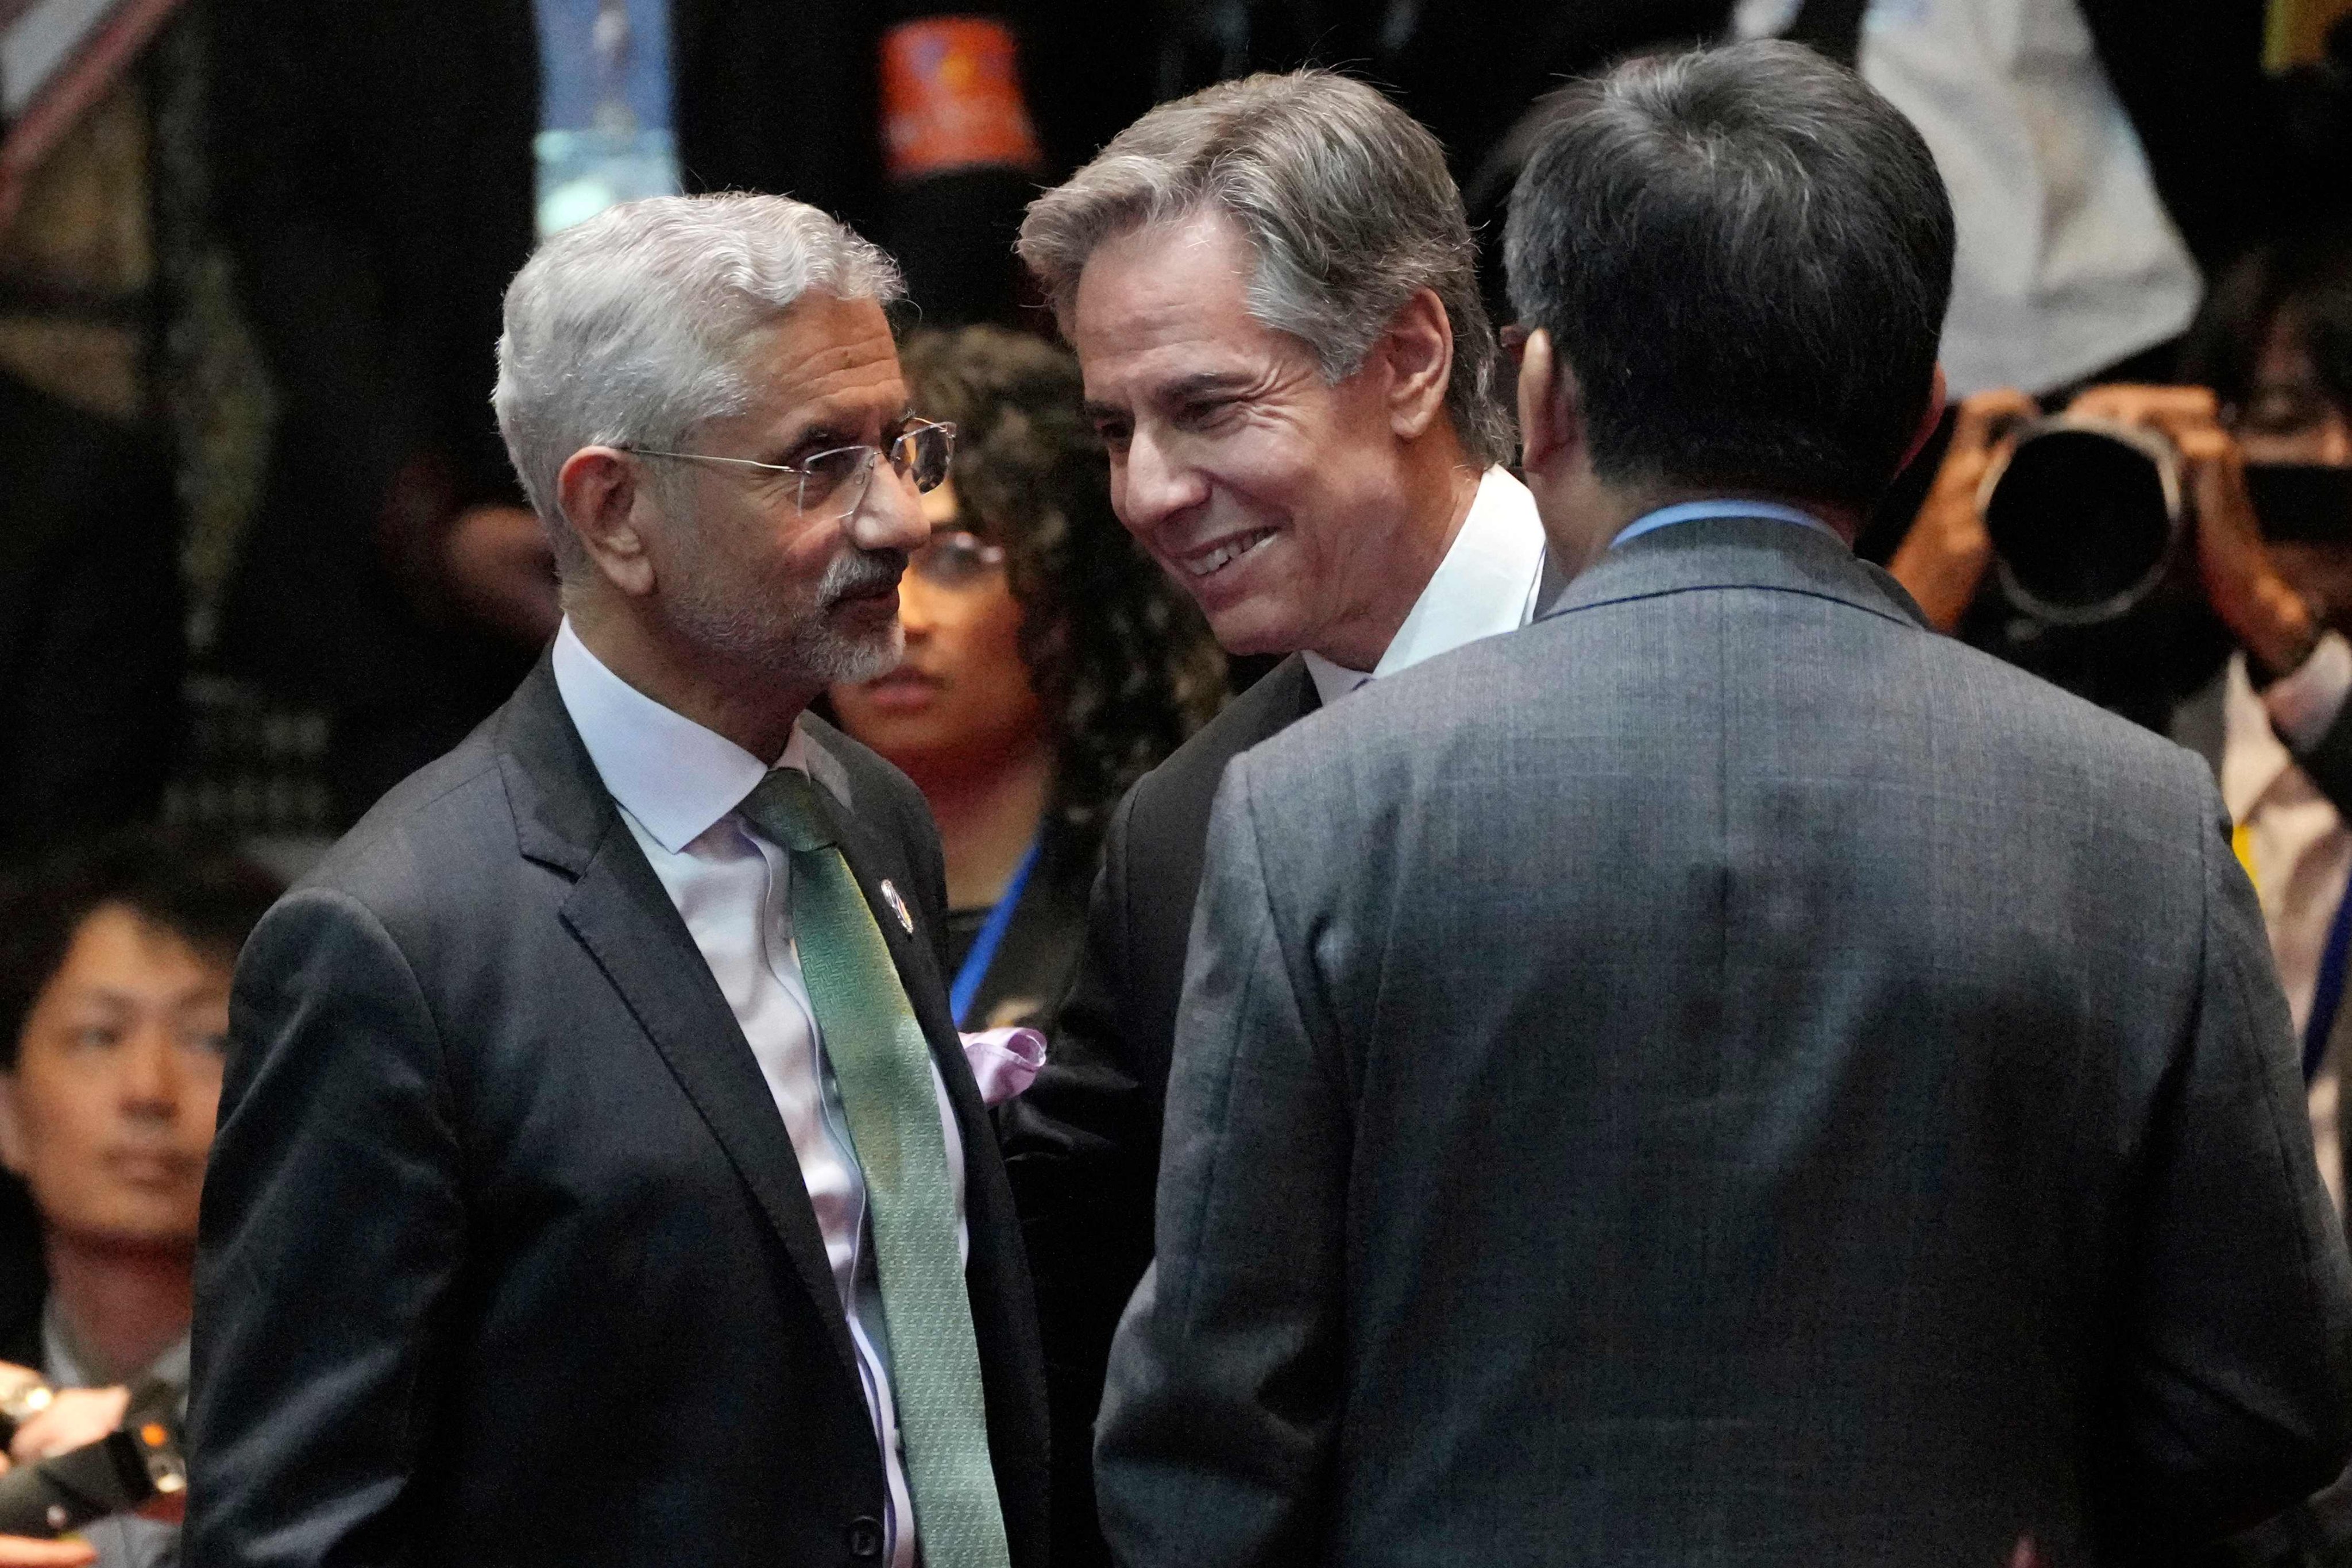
<point x="1724" y="1075"/>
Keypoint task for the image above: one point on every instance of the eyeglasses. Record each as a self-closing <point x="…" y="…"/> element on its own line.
<point x="839" y="477"/>
<point x="955" y="560"/>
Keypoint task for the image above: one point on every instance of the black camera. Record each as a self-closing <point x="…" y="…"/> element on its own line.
<point x="2089" y="518"/>
<point x="137" y="1462"/>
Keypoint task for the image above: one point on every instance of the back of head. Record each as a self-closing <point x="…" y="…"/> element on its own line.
<point x="624" y="331"/>
<point x="1344" y="197"/>
<point x="1744" y="254"/>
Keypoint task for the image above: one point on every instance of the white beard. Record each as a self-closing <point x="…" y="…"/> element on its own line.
<point x="796" y="648"/>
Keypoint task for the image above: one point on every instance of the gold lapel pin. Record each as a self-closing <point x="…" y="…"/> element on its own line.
<point x="897" y="907"/>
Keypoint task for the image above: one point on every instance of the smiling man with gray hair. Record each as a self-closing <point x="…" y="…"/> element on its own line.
<point x="600" y="1179"/>
<point x="1273" y="294"/>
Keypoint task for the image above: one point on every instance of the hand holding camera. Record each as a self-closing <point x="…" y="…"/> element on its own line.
<point x="2274" y="624"/>
<point x="77" y="1455"/>
<point x="2134" y="494"/>
<point x="1945" y="555"/>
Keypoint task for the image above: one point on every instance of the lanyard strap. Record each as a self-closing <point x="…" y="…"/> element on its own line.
<point x="2327" y="996"/>
<point x="990" y="938"/>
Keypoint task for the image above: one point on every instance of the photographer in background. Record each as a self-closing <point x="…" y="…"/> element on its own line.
<point x="2271" y="352"/>
<point x="114" y="976"/>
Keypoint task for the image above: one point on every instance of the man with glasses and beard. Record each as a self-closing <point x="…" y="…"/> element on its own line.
<point x="599" y="1179"/>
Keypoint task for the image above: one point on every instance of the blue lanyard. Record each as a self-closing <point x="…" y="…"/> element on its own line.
<point x="2327" y="996"/>
<point x="990" y="938"/>
<point x="1700" y="510"/>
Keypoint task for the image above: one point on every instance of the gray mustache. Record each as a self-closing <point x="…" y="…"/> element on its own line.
<point x="860" y="572"/>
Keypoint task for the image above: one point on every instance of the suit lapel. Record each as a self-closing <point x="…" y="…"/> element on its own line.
<point x="622" y="915"/>
<point x="619" y="913"/>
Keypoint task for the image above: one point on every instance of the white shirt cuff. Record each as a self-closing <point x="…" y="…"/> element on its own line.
<point x="2305" y="702"/>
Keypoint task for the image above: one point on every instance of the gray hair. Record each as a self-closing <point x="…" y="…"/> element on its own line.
<point x="624" y="330"/>
<point x="1344" y="198"/>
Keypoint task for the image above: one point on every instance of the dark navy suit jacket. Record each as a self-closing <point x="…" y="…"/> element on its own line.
<point x="505" y="1259"/>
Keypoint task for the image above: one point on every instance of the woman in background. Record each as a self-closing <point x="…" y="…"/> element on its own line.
<point x="1049" y="665"/>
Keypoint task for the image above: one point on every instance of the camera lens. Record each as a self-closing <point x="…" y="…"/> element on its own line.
<point x="2083" y="517"/>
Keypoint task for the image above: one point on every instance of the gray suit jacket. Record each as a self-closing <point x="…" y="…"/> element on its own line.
<point x="1725" y="1076"/>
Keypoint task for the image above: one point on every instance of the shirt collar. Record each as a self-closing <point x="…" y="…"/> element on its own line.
<point x="1701" y="511"/>
<point x="1486" y="584"/>
<point x="2254" y="759"/>
<point x="675" y="776"/>
<point x="62" y="1364"/>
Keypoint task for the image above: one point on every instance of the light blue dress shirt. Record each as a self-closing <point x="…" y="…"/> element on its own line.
<point x="1700" y="510"/>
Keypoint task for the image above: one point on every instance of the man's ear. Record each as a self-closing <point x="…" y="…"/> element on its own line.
<point x="601" y="495"/>
<point x="1420" y="348"/>
<point x="1551" y="413"/>
<point x="13" y="1153"/>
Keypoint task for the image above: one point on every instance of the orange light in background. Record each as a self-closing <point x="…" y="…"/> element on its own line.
<point x="2298" y="30"/>
<point x="951" y="98"/>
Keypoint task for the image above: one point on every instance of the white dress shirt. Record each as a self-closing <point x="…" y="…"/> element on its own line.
<point x="2068" y="262"/>
<point x="677" y="786"/>
<point x="1488" y="583"/>
<point x="2299" y="850"/>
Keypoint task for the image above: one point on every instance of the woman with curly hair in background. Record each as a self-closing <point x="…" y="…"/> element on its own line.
<point x="1049" y="665"/>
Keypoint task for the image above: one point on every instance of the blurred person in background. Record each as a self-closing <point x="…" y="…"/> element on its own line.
<point x="1272" y="293"/>
<point x="93" y="225"/>
<point x="2097" y="151"/>
<point x="1049" y="665"/>
<point x="2270" y="356"/>
<point x="383" y="170"/>
<point x="2271" y="362"/>
<point x="114" y="976"/>
<point x="1440" y="63"/>
<point x="2101" y="154"/>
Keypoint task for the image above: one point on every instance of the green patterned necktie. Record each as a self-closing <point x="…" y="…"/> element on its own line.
<point x="883" y="1070"/>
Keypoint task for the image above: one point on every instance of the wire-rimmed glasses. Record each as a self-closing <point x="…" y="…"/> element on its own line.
<point x="955" y="560"/>
<point x="839" y="477"/>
